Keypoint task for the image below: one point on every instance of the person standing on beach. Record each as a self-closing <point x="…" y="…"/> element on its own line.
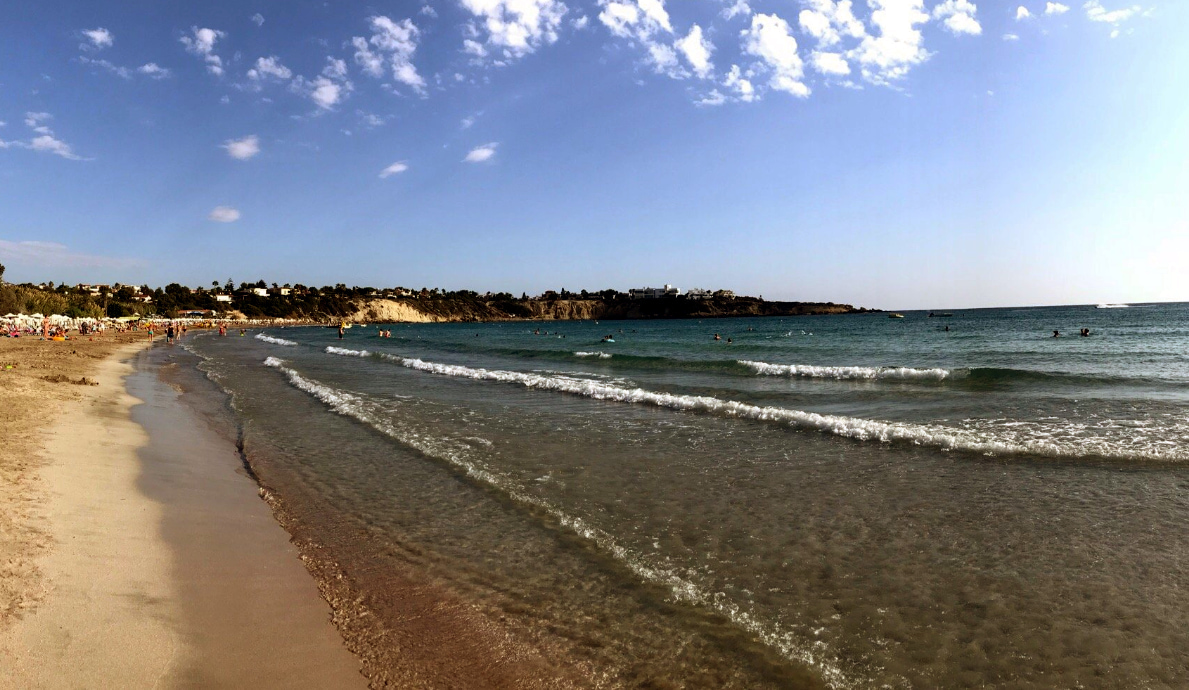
<point x="169" y="333"/>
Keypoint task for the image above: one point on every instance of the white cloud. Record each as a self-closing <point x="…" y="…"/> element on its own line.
<point x="428" y="11"/>
<point x="243" y="149"/>
<point x="45" y="141"/>
<point x="648" y="23"/>
<point x="771" y="40"/>
<point x="640" y="19"/>
<point x="335" y="68"/>
<point x="1022" y="13"/>
<point x="202" y="43"/>
<point x="122" y="72"/>
<point x="369" y="120"/>
<point x="958" y="16"/>
<point x="37" y="122"/>
<point x="270" y="67"/>
<point x="258" y="19"/>
<point x="468" y="122"/>
<point x="1010" y="37"/>
<point x="828" y="21"/>
<point x="899" y="46"/>
<point x="327" y="89"/>
<point x="480" y="154"/>
<point x="97" y="39"/>
<point x="394" y="169"/>
<point x="1055" y="8"/>
<point x="663" y="59"/>
<point x="740" y="85"/>
<point x="697" y="50"/>
<point x="49" y="144"/>
<point x="832" y="64"/>
<point x="711" y="99"/>
<point x="580" y="23"/>
<point x="224" y="214"/>
<point x="394" y="43"/>
<point x="1097" y="13"/>
<point x="42" y="255"/>
<point x="736" y="8"/>
<point x="153" y="70"/>
<point x="517" y="27"/>
<point x="475" y="48"/>
<point x="326" y="93"/>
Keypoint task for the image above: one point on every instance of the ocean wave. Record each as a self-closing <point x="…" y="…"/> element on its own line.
<point x="814" y="654"/>
<point x="942" y="437"/>
<point x="846" y="373"/>
<point x="600" y="355"/>
<point x="348" y="353"/>
<point x="274" y="341"/>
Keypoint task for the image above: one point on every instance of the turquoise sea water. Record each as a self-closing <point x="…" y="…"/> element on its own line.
<point x="839" y="501"/>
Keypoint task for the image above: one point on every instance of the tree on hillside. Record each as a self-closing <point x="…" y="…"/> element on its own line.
<point x="1" y="274"/>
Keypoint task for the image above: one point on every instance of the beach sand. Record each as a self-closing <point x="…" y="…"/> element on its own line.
<point x="134" y="550"/>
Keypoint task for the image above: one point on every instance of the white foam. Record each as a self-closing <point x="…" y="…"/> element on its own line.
<point x="846" y="373"/>
<point x="815" y="654"/>
<point x="347" y="353"/>
<point x="937" y="436"/>
<point x="600" y="355"/>
<point x="274" y="341"/>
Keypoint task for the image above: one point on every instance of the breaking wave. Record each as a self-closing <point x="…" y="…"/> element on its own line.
<point x="846" y="373"/>
<point x="358" y="407"/>
<point x="600" y="355"/>
<point x="971" y="439"/>
<point x="274" y="341"/>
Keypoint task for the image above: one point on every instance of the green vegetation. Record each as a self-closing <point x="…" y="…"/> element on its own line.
<point x="331" y="303"/>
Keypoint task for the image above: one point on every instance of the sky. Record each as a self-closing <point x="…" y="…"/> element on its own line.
<point x="885" y="153"/>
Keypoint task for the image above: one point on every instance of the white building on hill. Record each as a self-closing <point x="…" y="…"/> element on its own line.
<point x="654" y="293"/>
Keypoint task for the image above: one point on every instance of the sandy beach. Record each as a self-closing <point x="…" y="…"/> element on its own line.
<point x="134" y="550"/>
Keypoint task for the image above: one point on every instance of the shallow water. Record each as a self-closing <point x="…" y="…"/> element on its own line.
<point x="844" y="501"/>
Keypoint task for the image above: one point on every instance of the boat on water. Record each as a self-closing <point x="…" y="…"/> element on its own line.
<point x="895" y="316"/>
<point x="939" y="315"/>
<point x="1112" y="306"/>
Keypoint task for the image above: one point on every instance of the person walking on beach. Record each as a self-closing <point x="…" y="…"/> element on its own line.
<point x="169" y="333"/>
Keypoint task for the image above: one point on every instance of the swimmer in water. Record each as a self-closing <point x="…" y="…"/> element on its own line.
<point x="1056" y="334"/>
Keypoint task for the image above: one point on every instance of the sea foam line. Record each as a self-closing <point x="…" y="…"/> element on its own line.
<point x="274" y="341"/>
<point x="846" y="373"/>
<point x="357" y="407"/>
<point x="945" y="438"/>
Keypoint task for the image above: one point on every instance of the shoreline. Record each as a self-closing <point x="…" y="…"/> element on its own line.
<point x="153" y="560"/>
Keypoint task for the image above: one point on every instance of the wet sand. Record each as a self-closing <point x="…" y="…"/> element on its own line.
<point x="140" y="553"/>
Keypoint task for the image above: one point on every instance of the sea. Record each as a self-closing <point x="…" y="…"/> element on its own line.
<point x="843" y="501"/>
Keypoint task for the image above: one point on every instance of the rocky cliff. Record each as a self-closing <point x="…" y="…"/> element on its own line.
<point x="430" y="310"/>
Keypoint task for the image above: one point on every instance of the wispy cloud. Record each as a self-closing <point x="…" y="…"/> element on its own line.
<point x="45" y="140"/>
<point x="224" y="214"/>
<point x="258" y="19"/>
<point x="394" y="169"/>
<point x="38" y="254"/>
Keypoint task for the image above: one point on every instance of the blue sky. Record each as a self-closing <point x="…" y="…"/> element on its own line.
<point x="889" y="153"/>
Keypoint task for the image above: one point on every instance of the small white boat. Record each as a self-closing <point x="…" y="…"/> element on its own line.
<point x="895" y="316"/>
